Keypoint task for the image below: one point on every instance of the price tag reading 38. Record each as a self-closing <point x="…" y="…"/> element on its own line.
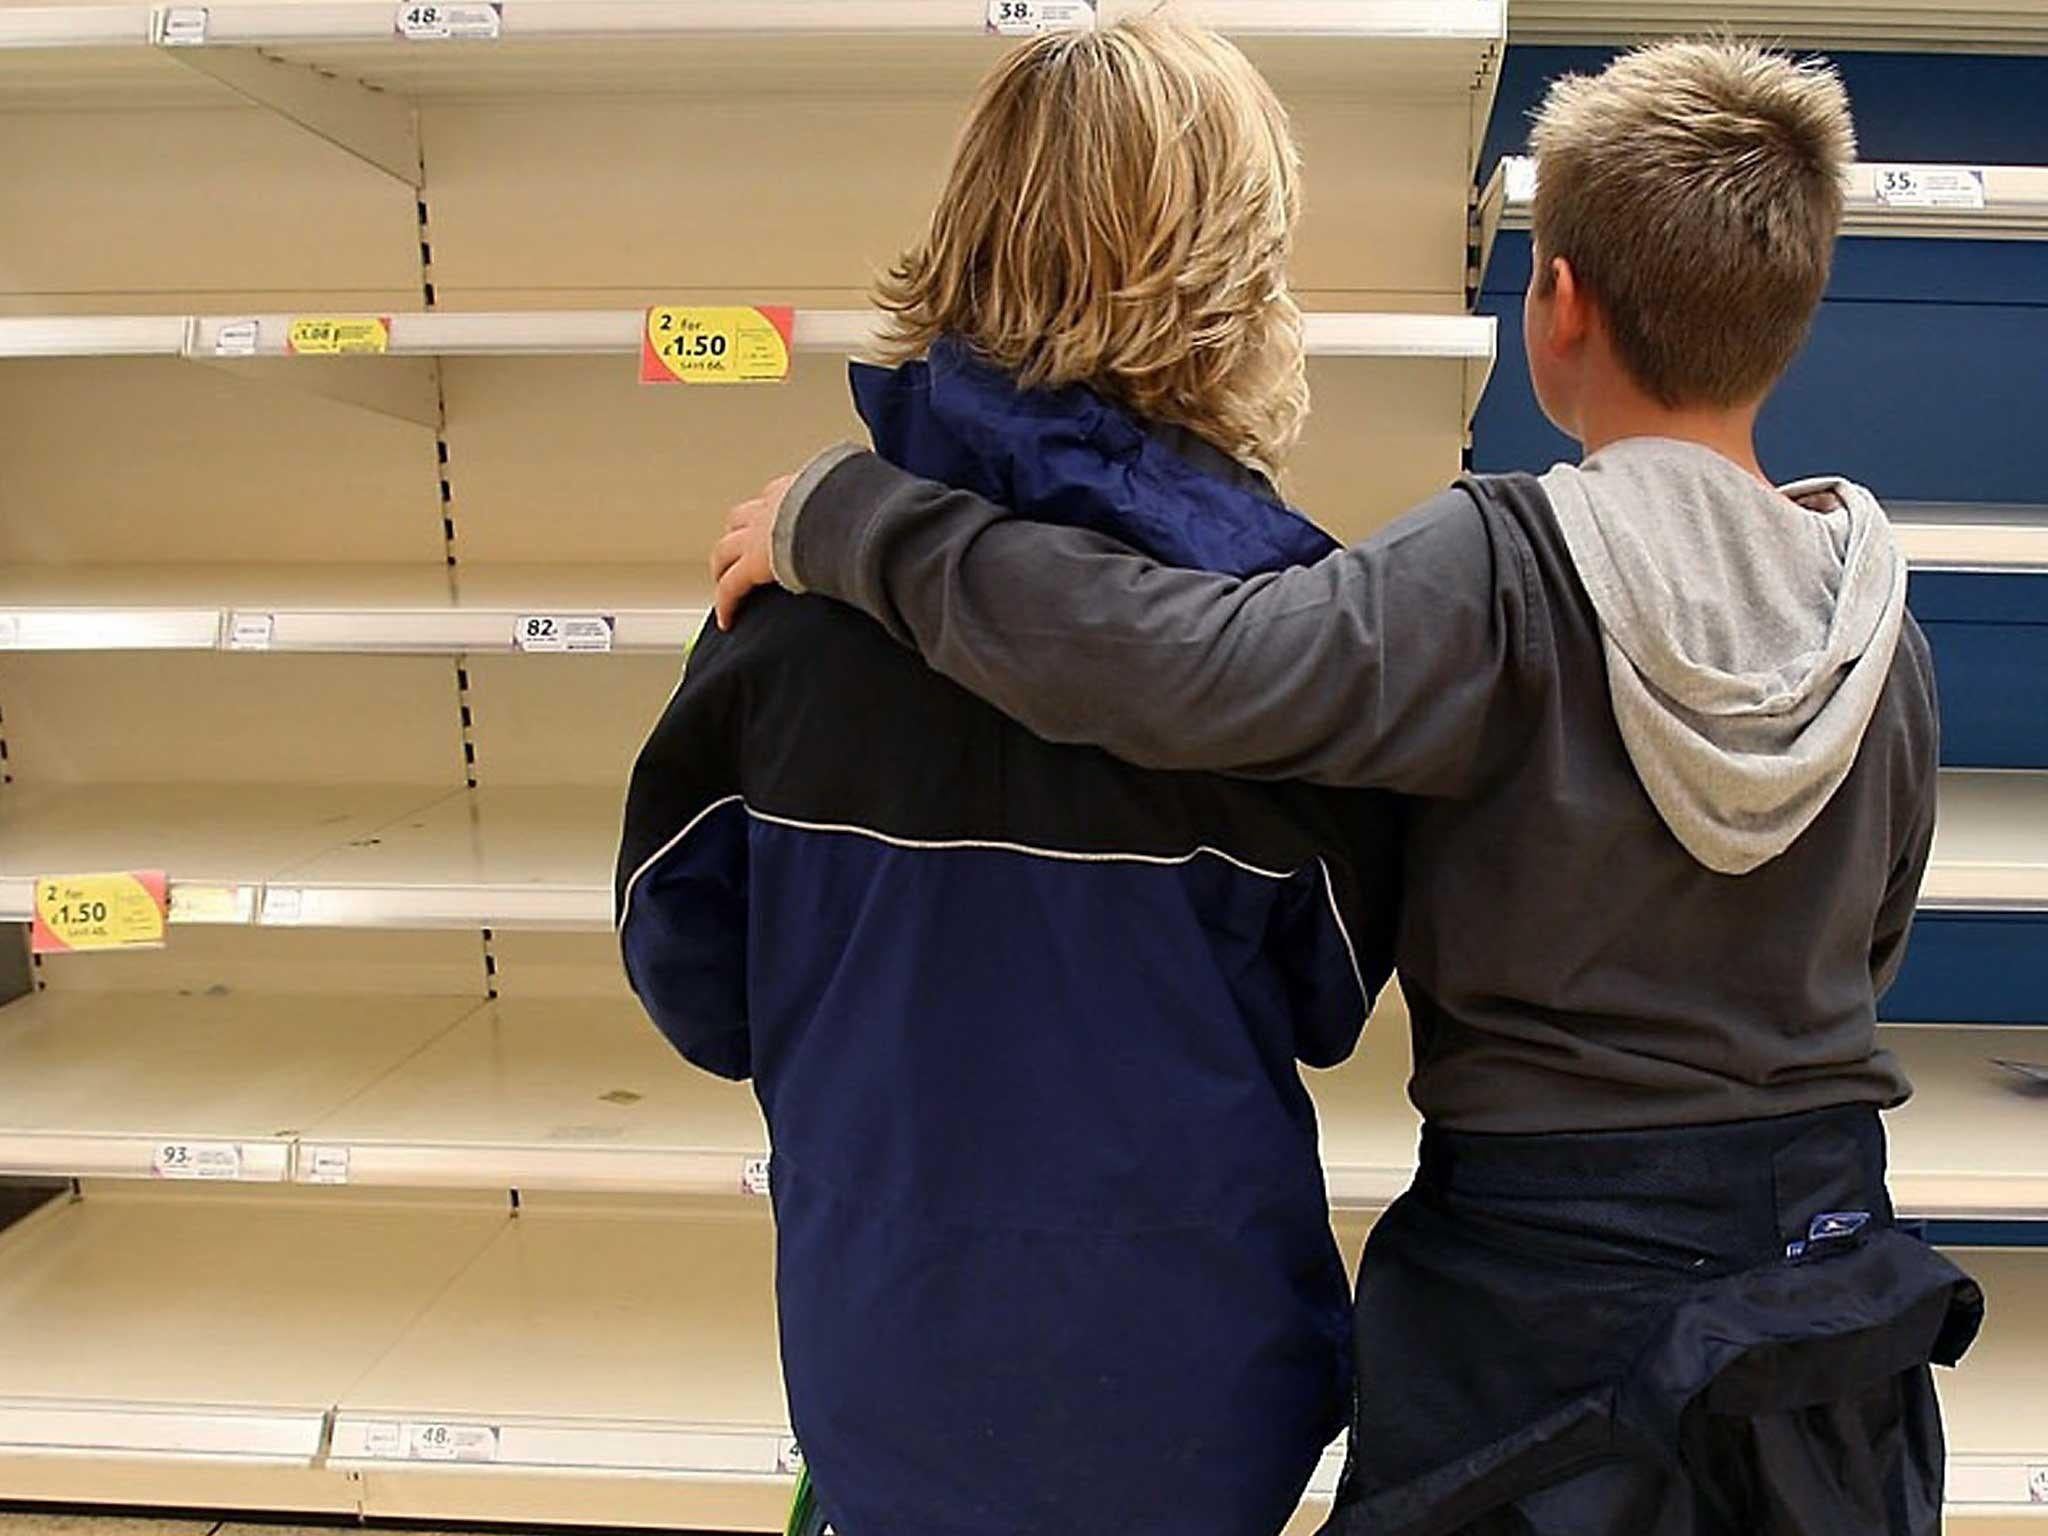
<point x="716" y="345"/>
<point x="88" y="912"/>
<point x="1028" y="18"/>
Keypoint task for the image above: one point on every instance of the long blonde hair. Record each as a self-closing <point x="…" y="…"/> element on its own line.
<point x="1119" y="213"/>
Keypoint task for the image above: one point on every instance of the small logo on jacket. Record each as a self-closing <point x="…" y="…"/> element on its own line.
<point x="1828" y="1227"/>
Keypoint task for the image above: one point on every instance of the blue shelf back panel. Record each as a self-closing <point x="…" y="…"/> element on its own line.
<point x="1973" y="968"/>
<point x="1989" y="634"/>
<point x="1973" y="107"/>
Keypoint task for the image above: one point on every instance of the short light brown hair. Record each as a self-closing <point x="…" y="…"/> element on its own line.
<point x="1696" y="190"/>
<point x="1119" y="213"/>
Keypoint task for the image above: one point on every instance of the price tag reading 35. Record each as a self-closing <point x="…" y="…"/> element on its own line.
<point x="87" y="912"/>
<point x="716" y="346"/>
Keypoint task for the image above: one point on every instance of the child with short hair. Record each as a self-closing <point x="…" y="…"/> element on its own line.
<point x="1053" y="1247"/>
<point x="1673" y="740"/>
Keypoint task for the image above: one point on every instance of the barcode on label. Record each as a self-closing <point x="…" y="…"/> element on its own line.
<point x="237" y="338"/>
<point x="422" y="23"/>
<point x="251" y="631"/>
<point x="181" y="26"/>
<point x="754" y="1178"/>
<point x="326" y="1165"/>
<point x="555" y="632"/>
<point x="2037" y="1485"/>
<point x="1028" y="18"/>
<point x="196" y="1160"/>
<point x="1930" y="186"/>
<point x="451" y="1442"/>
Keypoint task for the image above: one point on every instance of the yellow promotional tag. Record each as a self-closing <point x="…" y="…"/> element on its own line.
<point x="339" y="336"/>
<point x="716" y="346"/>
<point x="86" y="912"/>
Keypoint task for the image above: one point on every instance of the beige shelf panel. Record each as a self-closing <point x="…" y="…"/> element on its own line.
<point x="322" y="608"/>
<point x="288" y="963"/>
<point x="170" y="1326"/>
<point x="558" y="721"/>
<point x="1991" y="844"/>
<point x="552" y="1095"/>
<point x="506" y="858"/>
<point x="1997" y="1432"/>
<point x="1968" y="1145"/>
<point x="234" y="472"/>
<point x="172" y="717"/>
<point x="219" y="844"/>
<point x="105" y="1086"/>
<point x="1970" y="25"/>
<point x="1961" y="537"/>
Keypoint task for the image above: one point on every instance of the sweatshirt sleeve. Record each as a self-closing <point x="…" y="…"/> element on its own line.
<point x="1916" y="842"/>
<point x="1393" y="663"/>
<point x="681" y="885"/>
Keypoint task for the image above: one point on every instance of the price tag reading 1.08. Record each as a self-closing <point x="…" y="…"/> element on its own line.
<point x="339" y="336"/>
<point x="88" y="912"/>
<point x="716" y="345"/>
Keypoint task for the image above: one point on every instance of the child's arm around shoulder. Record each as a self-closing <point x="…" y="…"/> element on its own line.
<point x="1400" y="662"/>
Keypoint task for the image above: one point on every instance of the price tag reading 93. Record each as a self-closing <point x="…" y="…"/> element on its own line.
<point x="716" y="345"/>
<point x="1028" y="18"/>
<point x="76" y="913"/>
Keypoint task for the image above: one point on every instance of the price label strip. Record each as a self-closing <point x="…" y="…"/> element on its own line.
<point x="339" y="336"/>
<point x="181" y="26"/>
<point x="556" y="633"/>
<point x="716" y="345"/>
<point x="196" y="1160"/>
<point x="79" y="913"/>
<point x="1029" y="18"/>
<point x="451" y="1442"/>
<point x="1954" y="187"/>
<point x="444" y="23"/>
<point x="755" y="1178"/>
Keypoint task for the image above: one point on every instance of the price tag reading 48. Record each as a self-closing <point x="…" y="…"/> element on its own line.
<point x="86" y="912"/>
<point x="716" y="345"/>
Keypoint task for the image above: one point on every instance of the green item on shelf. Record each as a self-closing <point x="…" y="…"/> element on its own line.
<point x="806" y="1516"/>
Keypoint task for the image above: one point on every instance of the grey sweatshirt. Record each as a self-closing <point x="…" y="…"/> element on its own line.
<point x="1670" y="737"/>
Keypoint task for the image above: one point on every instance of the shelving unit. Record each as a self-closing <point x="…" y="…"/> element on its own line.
<point x="473" y="1244"/>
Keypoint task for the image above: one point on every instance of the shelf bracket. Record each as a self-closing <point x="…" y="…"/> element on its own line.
<point x="377" y="129"/>
<point x="405" y="388"/>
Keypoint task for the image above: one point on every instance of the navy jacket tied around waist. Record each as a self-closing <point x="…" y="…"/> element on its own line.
<point x="1053" y="1248"/>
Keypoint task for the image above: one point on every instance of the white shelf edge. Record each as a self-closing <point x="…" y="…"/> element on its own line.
<point x="607" y="332"/>
<point x="289" y="903"/>
<point x="425" y="1165"/>
<point x="570" y="1445"/>
<point x="116" y="1155"/>
<point x="2015" y="202"/>
<point x="1479" y="22"/>
<point x="27" y="628"/>
<point x="1972" y="538"/>
<point x="169" y="1429"/>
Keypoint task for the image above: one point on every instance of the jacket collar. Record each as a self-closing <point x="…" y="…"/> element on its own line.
<point x="1069" y="457"/>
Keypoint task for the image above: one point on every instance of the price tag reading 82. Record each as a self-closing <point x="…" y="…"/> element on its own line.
<point x="1028" y="18"/>
<point x="716" y="345"/>
<point x="88" y="912"/>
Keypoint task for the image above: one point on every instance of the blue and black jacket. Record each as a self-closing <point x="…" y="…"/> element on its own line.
<point x="1053" y="1247"/>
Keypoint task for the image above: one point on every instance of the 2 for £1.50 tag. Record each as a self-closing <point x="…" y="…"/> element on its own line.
<point x="339" y="336"/>
<point x="87" y="912"/>
<point x="698" y="345"/>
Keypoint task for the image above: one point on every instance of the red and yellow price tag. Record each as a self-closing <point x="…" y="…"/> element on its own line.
<point x="716" y="345"/>
<point x="75" y="913"/>
<point x="339" y="336"/>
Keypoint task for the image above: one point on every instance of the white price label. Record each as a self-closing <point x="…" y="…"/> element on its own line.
<point x="196" y="1160"/>
<point x="284" y="906"/>
<point x="237" y="338"/>
<point x="2037" y="1485"/>
<point x="251" y="631"/>
<point x="211" y="903"/>
<point x="557" y="632"/>
<point x="326" y="1165"/>
<point x="181" y="26"/>
<point x="1930" y="186"/>
<point x="1028" y="18"/>
<point x="384" y="1440"/>
<point x="789" y="1457"/>
<point x="451" y="1442"/>
<point x="10" y="630"/>
<point x="754" y="1176"/>
<point x="422" y="23"/>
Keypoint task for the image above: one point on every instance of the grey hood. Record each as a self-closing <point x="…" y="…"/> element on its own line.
<point x="1748" y="638"/>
